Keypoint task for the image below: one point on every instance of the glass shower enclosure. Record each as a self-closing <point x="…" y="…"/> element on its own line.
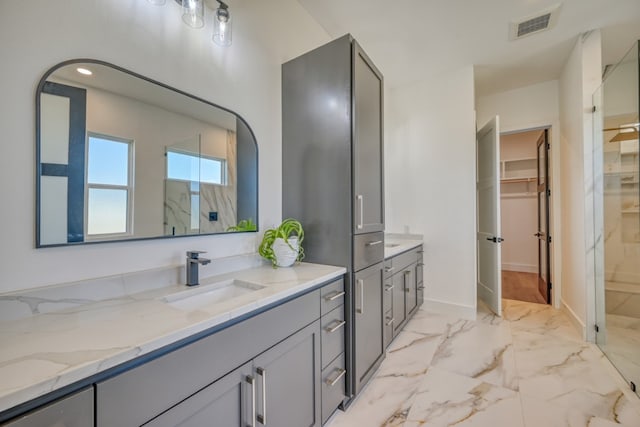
<point x="616" y="216"/>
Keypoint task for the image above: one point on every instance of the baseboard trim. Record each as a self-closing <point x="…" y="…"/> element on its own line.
<point x="523" y="268"/>
<point x="575" y="320"/>
<point x="442" y="307"/>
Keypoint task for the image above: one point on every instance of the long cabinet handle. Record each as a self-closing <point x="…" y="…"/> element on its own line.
<point x="334" y="296"/>
<point x="262" y="419"/>
<point x="360" y="198"/>
<point x="252" y="381"/>
<point x="374" y="243"/>
<point x="404" y="280"/>
<point x="361" y="285"/>
<point x="333" y="382"/>
<point x="337" y="326"/>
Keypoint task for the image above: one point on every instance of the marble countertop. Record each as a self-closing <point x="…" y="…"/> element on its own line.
<point x="46" y="352"/>
<point x="395" y="246"/>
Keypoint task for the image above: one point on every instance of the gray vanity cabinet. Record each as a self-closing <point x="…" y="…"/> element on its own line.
<point x="71" y="411"/>
<point x="410" y="288"/>
<point x="369" y="348"/>
<point x="288" y="381"/>
<point x="228" y="401"/>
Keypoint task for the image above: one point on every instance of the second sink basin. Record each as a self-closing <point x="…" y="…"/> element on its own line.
<point x="202" y="295"/>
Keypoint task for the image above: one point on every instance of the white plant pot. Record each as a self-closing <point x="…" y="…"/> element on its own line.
<point x="285" y="256"/>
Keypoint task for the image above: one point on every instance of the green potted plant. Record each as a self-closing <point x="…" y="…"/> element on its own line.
<point x="283" y="245"/>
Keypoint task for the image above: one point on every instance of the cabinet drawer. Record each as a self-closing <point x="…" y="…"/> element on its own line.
<point x="402" y="261"/>
<point x="333" y="326"/>
<point x="333" y="382"/>
<point x="368" y="249"/>
<point x="72" y="411"/>
<point x="388" y="328"/>
<point x="387" y="296"/>
<point x="332" y="296"/>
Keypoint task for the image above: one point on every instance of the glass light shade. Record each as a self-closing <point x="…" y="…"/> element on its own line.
<point x="222" y="27"/>
<point x="193" y="13"/>
<point x="157" y="2"/>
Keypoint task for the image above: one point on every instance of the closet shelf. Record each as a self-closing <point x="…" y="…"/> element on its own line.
<point x="514" y="180"/>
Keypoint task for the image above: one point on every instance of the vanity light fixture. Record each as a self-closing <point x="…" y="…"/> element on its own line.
<point x="222" y="25"/>
<point x="193" y="16"/>
<point x="84" y="71"/>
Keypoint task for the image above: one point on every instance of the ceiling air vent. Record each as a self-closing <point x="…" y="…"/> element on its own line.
<point x="542" y="21"/>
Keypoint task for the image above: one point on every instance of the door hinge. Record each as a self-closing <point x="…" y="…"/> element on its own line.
<point x="548" y="146"/>
<point x="593" y="110"/>
<point x="549" y="193"/>
<point x="550" y="285"/>
<point x="632" y="385"/>
<point x="597" y="328"/>
<point x="549" y="237"/>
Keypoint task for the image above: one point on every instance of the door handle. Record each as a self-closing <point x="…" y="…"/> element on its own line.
<point x="262" y="419"/>
<point x="361" y="284"/>
<point x="360" y="198"/>
<point x="252" y="381"/>
<point x="495" y="239"/>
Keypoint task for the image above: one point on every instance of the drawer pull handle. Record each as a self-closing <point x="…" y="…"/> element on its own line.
<point x="389" y="269"/>
<point x="421" y="264"/>
<point x="420" y="288"/>
<point x="389" y="288"/>
<point x="374" y="243"/>
<point x="390" y="321"/>
<point x="421" y="251"/>
<point x="262" y="419"/>
<point x="337" y="326"/>
<point x="361" y="206"/>
<point x="252" y="382"/>
<point x="334" y="381"/>
<point x="335" y="296"/>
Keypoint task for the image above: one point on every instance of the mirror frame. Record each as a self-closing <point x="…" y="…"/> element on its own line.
<point x="38" y="174"/>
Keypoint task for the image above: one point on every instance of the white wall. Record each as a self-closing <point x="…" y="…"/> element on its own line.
<point x="430" y="181"/>
<point x="531" y="107"/>
<point x="154" y="42"/>
<point x="580" y="78"/>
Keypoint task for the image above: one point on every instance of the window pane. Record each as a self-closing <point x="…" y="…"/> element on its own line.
<point x="108" y="161"/>
<point x="211" y="171"/>
<point x="107" y="211"/>
<point x="182" y="166"/>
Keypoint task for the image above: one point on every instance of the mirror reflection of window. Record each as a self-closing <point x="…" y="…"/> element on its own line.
<point x="109" y="185"/>
<point x="194" y="167"/>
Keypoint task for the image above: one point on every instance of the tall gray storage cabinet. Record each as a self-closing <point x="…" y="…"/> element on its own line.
<point x="332" y="165"/>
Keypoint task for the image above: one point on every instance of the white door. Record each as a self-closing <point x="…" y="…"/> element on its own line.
<point x="488" y="211"/>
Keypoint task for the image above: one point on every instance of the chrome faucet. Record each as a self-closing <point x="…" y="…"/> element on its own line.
<point x="193" y="262"/>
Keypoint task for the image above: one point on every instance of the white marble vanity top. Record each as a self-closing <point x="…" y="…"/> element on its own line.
<point x="45" y="352"/>
<point x="396" y="245"/>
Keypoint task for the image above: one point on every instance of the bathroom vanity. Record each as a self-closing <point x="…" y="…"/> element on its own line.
<point x="273" y="354"/>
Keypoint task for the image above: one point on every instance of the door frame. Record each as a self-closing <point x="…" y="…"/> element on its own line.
<point x="555" y="213"/>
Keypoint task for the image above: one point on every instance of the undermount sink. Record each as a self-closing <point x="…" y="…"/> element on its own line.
<point x="391" y="245"/>
<point x="192" y="299"/>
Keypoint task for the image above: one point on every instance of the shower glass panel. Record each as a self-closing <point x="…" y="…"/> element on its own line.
<point x="617" y="219"/>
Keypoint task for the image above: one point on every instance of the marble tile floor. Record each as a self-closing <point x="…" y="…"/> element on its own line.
<point x="529" y="368"/>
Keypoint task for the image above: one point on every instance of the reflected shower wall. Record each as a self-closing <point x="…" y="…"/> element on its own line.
<point x="617" y="216"/>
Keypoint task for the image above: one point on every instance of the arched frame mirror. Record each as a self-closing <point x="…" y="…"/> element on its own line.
<point x="122" y="157"/>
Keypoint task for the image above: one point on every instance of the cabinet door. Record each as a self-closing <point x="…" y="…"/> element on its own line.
<point x="288" y="381"/>
<point x="228" y="402"/>
<point x="72" y="411"/>
<point x="368" y="144"/>
<point x="368" y="321"/>
<point x="399" y="312"/>
<point x="410" y="288"/>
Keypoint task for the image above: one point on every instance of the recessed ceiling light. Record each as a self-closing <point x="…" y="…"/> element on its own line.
<point x="84" y="71"/>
